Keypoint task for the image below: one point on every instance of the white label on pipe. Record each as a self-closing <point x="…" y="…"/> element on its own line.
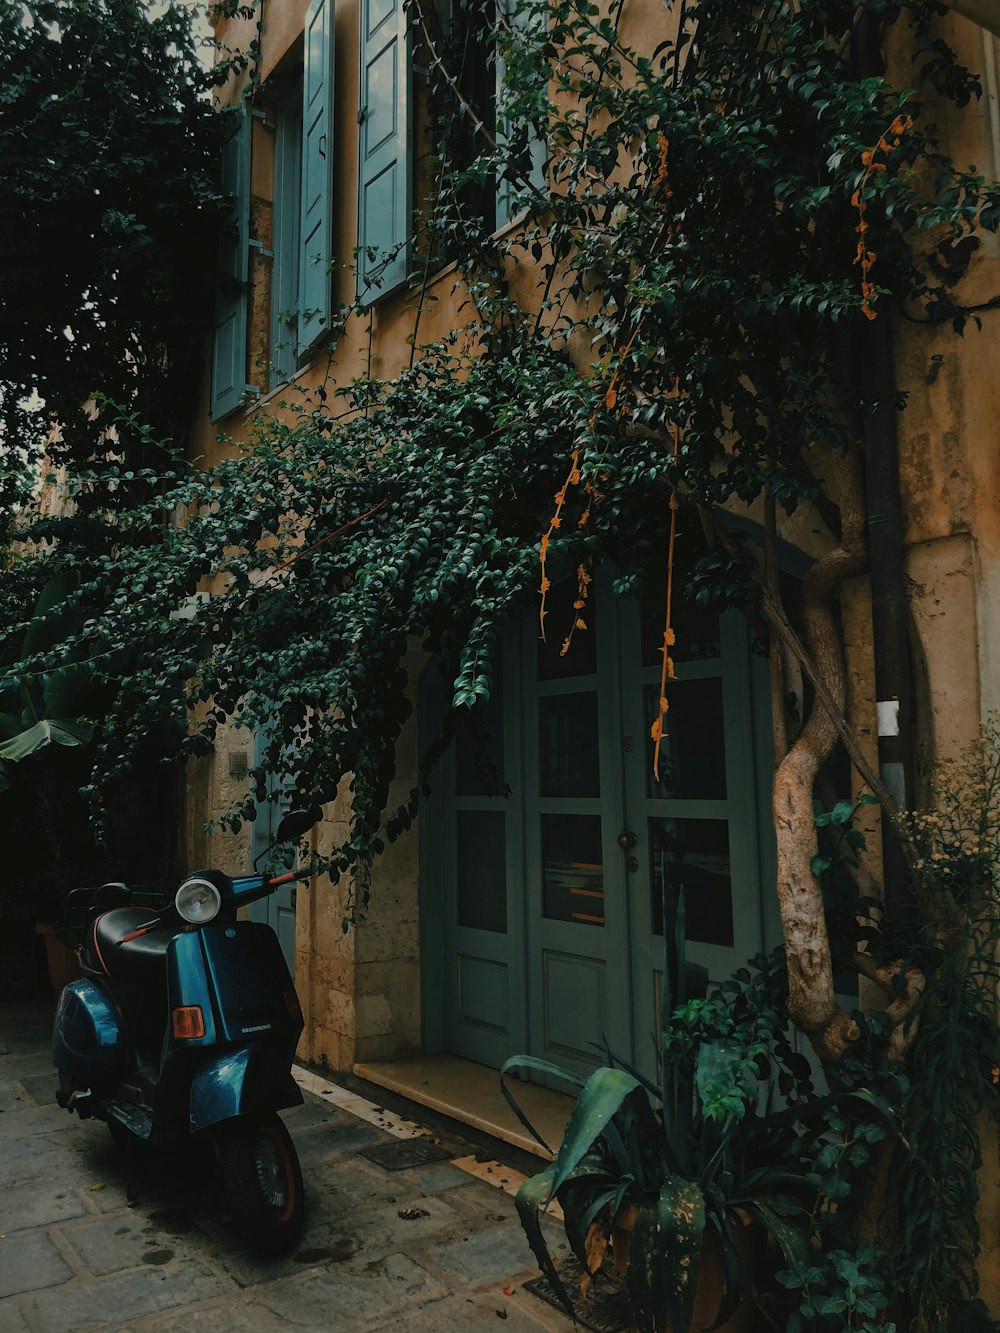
<point x="887" y="711"/>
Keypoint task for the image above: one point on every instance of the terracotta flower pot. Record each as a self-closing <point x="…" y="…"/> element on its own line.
<point x="708" y="1293"/>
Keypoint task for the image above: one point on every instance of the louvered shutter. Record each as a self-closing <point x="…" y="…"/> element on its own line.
<point x="384" y="176"/>
<point x="316" y="218"/>
<point x="508" y="203"/>
<point x="229" y="342"/>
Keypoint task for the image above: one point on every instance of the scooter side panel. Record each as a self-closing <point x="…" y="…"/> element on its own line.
<point x="88" y="1039"/>
<point x="240" y="1081"/>
<point x="188" y="985"/>
<point x="247" y="970"/>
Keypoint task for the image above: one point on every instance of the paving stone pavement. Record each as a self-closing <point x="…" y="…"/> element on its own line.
<point x="74" y="1255"/>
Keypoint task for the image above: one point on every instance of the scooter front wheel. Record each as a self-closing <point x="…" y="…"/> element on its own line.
<point x="263" y="1182"/>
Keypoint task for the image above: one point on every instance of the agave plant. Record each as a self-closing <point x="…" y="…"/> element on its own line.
<point x="657" y="1172"/>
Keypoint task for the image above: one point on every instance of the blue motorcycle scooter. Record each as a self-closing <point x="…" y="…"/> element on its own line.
<point x="185" y="1026"/>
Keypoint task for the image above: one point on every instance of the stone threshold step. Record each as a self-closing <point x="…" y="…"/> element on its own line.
<point x="470" y="1093"/>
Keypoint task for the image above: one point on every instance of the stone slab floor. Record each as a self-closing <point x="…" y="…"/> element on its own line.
<point x="74" y="1255"/>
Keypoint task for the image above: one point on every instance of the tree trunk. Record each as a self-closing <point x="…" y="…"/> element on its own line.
<point x="811" y="1001"/>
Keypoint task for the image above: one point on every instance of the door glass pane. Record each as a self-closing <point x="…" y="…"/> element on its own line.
<point x="695" y="854"/>
<point x="482" y="870"/>
<point x="573" y="869"/>
<point x="568" y="758"/>
<point x="479" y="747"/>
<point x="693" y="755"/>
<point x="696" y="628"/>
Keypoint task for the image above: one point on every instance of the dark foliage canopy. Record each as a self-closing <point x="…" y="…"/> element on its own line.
<point x="109" y="205"/>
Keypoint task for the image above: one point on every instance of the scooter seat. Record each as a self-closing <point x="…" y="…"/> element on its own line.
<point x="142" y="960"/>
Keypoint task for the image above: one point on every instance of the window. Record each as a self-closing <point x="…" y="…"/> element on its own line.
<point x="286" y="216"/>
<point x="386" y="139"/>
<point x="302" y="202"/>
<point x="385" y="169"/>
<point x="229" y="341"/>
<point x="316" y="212"/>
<point x="302" y="222"/>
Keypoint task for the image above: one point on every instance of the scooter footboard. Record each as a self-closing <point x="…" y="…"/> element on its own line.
<point x="237" y="1082"/>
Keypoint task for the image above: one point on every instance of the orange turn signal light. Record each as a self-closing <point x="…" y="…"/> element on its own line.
<point x="189" y="1022"/>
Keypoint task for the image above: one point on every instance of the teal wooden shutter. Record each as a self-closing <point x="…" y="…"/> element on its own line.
<point x="384" y="176"/>
<point x="508" y="202"/>
<point x="316" y="220"/>
<point x="287" y="234"/>
<point x="229" y="342"/>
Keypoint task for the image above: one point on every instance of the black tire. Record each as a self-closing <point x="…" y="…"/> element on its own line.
<point x="263" y="1182"/>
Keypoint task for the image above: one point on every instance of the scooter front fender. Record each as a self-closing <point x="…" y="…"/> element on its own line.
<point x="238" y="1082"/>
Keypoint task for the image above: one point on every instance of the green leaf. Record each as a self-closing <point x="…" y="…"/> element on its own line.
<point x="581" y="1202"/>
<point x="792" y="1240"/>
<point x="38" y="736"/>
<point x="842" y="812"/>
<point x="45" y="630"/>
<point x="62" y="688"/>
<point x="529" y="1199"/>
<point x="665" y="1255"/>
<point x="602" y="1096"/>
<point x="532" y="1064"/>
<point x="732" y="1271"/>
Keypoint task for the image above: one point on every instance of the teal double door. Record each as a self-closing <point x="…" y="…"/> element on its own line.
<point x="547" y="899"/>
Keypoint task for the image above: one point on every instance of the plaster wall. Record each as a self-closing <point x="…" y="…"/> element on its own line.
<point x="950" y="451"/>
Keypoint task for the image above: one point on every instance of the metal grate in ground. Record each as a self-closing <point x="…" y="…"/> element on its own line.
<point x="405" y="1153"/>
<point x="604" y="1311"/>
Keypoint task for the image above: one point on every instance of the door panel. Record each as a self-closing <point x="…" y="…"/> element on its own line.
<point x="576" y="910"/>
<point x="483" y="892"/>
<point x="575" y="1004"/>
<point x="553" y="932"/>
<point x="697" y="820"/>
<point x="484" y="993"/>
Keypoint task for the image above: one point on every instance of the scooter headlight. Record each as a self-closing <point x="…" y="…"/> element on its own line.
<point x="198" y="901"/>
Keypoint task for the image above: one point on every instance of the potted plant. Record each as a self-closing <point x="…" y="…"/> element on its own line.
<point x="684" y="1180"/>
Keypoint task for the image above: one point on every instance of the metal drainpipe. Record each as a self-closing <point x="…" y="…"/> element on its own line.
<point x="886" y="525"/>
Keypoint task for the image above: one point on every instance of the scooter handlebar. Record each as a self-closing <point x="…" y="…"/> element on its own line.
<point x="287" y="878"/>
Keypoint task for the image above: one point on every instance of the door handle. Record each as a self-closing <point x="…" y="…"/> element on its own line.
<point x="626" y="841"/>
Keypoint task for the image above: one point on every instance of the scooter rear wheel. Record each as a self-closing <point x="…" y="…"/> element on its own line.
<point x="263" y="1182"/>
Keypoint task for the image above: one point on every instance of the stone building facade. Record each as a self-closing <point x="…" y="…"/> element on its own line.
<point x="433" y="968"/>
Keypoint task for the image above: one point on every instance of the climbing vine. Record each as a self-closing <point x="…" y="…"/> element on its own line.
<point x="695" y="221"/>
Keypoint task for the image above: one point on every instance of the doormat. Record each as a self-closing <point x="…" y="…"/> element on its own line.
<point x="405" y="1153"/>
<point x="604" y="1311"/>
